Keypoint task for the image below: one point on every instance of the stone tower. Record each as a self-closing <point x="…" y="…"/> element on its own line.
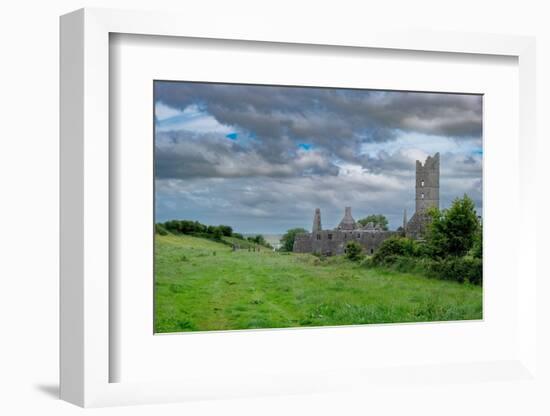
<point x="427" y="183"/>
<point x="347" y="223"/>
<point x="404" y="219"/>
<point x="427" y="196"/>
<point x="316" y="221"/>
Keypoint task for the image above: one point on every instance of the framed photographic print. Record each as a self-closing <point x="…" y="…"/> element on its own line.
<point x="241" y="171"/>
<point x="279" y="213"/>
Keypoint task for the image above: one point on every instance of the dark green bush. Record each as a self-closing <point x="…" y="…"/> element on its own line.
<point x="476" y="277"/>
<point x="477" y="248"/>
<point x="226" y="230"/>
<point x="459" y="269"/>
<point x="452" y="232"/>
<point x="160" y="230"/>
<point x="185" y="227"/>
<point x="395" y="246"/>
<point x="354" y="251"/>
<point x="196" y="228"/>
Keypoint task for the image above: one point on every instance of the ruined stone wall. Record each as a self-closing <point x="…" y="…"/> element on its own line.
<point x="302" y="243"/>
<point x="327" y="242"/>
<point x="372" y="240"/>
<point x="333" y="242"/>
<point x="417" y="226"/>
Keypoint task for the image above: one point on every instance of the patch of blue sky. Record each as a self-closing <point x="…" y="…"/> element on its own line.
<point x="305" y="146"/>
<point x="244" y="138"/>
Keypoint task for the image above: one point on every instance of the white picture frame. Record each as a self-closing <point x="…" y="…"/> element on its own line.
<point x="86" y="356"/>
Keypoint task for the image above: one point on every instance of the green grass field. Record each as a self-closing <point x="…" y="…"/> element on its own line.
<point x="202" y="285"/>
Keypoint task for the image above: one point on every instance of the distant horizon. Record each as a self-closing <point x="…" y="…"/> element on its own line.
<point x="262" y="158"/>
<point x="306" y="226"/>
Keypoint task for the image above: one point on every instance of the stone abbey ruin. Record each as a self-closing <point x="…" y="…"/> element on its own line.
<point x="370" y="236"/>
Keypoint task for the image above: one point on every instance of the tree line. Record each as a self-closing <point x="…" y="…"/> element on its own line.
<point x="212" y="232"/>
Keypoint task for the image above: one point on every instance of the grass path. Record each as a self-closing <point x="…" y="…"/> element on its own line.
<point x="203" y="285"/>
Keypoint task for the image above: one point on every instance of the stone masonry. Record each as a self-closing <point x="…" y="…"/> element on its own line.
<point x="370" y="236"/>
<point x="427" y="196"/>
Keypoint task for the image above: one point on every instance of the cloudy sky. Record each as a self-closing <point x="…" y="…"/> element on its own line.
<point x="262" y="158"/>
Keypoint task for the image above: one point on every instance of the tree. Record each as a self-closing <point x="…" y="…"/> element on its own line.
<point x="199" y="228"/>
<point x="395" y="246"/>
<point x="287" y="240"/>
<point x="452" y="232"/>
<point x="354" y="251"/>
<point x="259" y="239"/>
<point x="226" y="230"/>
<point x="159" y="229"/>
<point x="376" y="219"/>
<point x="477" y="248"/>
<point x="217" y="233"/>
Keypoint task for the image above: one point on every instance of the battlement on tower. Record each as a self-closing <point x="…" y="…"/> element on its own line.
<point x="431" y="162"/>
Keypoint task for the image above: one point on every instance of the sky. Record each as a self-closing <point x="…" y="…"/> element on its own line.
<point x="262" y="158"/>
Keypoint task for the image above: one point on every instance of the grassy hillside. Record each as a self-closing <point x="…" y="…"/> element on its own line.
<point x="203" y="285"/>
<point x="243" y="244"/>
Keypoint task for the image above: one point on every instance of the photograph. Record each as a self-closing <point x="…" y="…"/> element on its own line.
<point x="279" y="206"/>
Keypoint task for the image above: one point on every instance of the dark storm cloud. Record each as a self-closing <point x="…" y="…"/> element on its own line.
<point x="335" y="122"/>
<point x="183" y="154"/>
<point x="322" y="113"/>
<point x="269" y="156"/>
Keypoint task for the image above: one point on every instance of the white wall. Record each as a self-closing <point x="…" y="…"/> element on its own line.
<point x="29" y="189"/>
